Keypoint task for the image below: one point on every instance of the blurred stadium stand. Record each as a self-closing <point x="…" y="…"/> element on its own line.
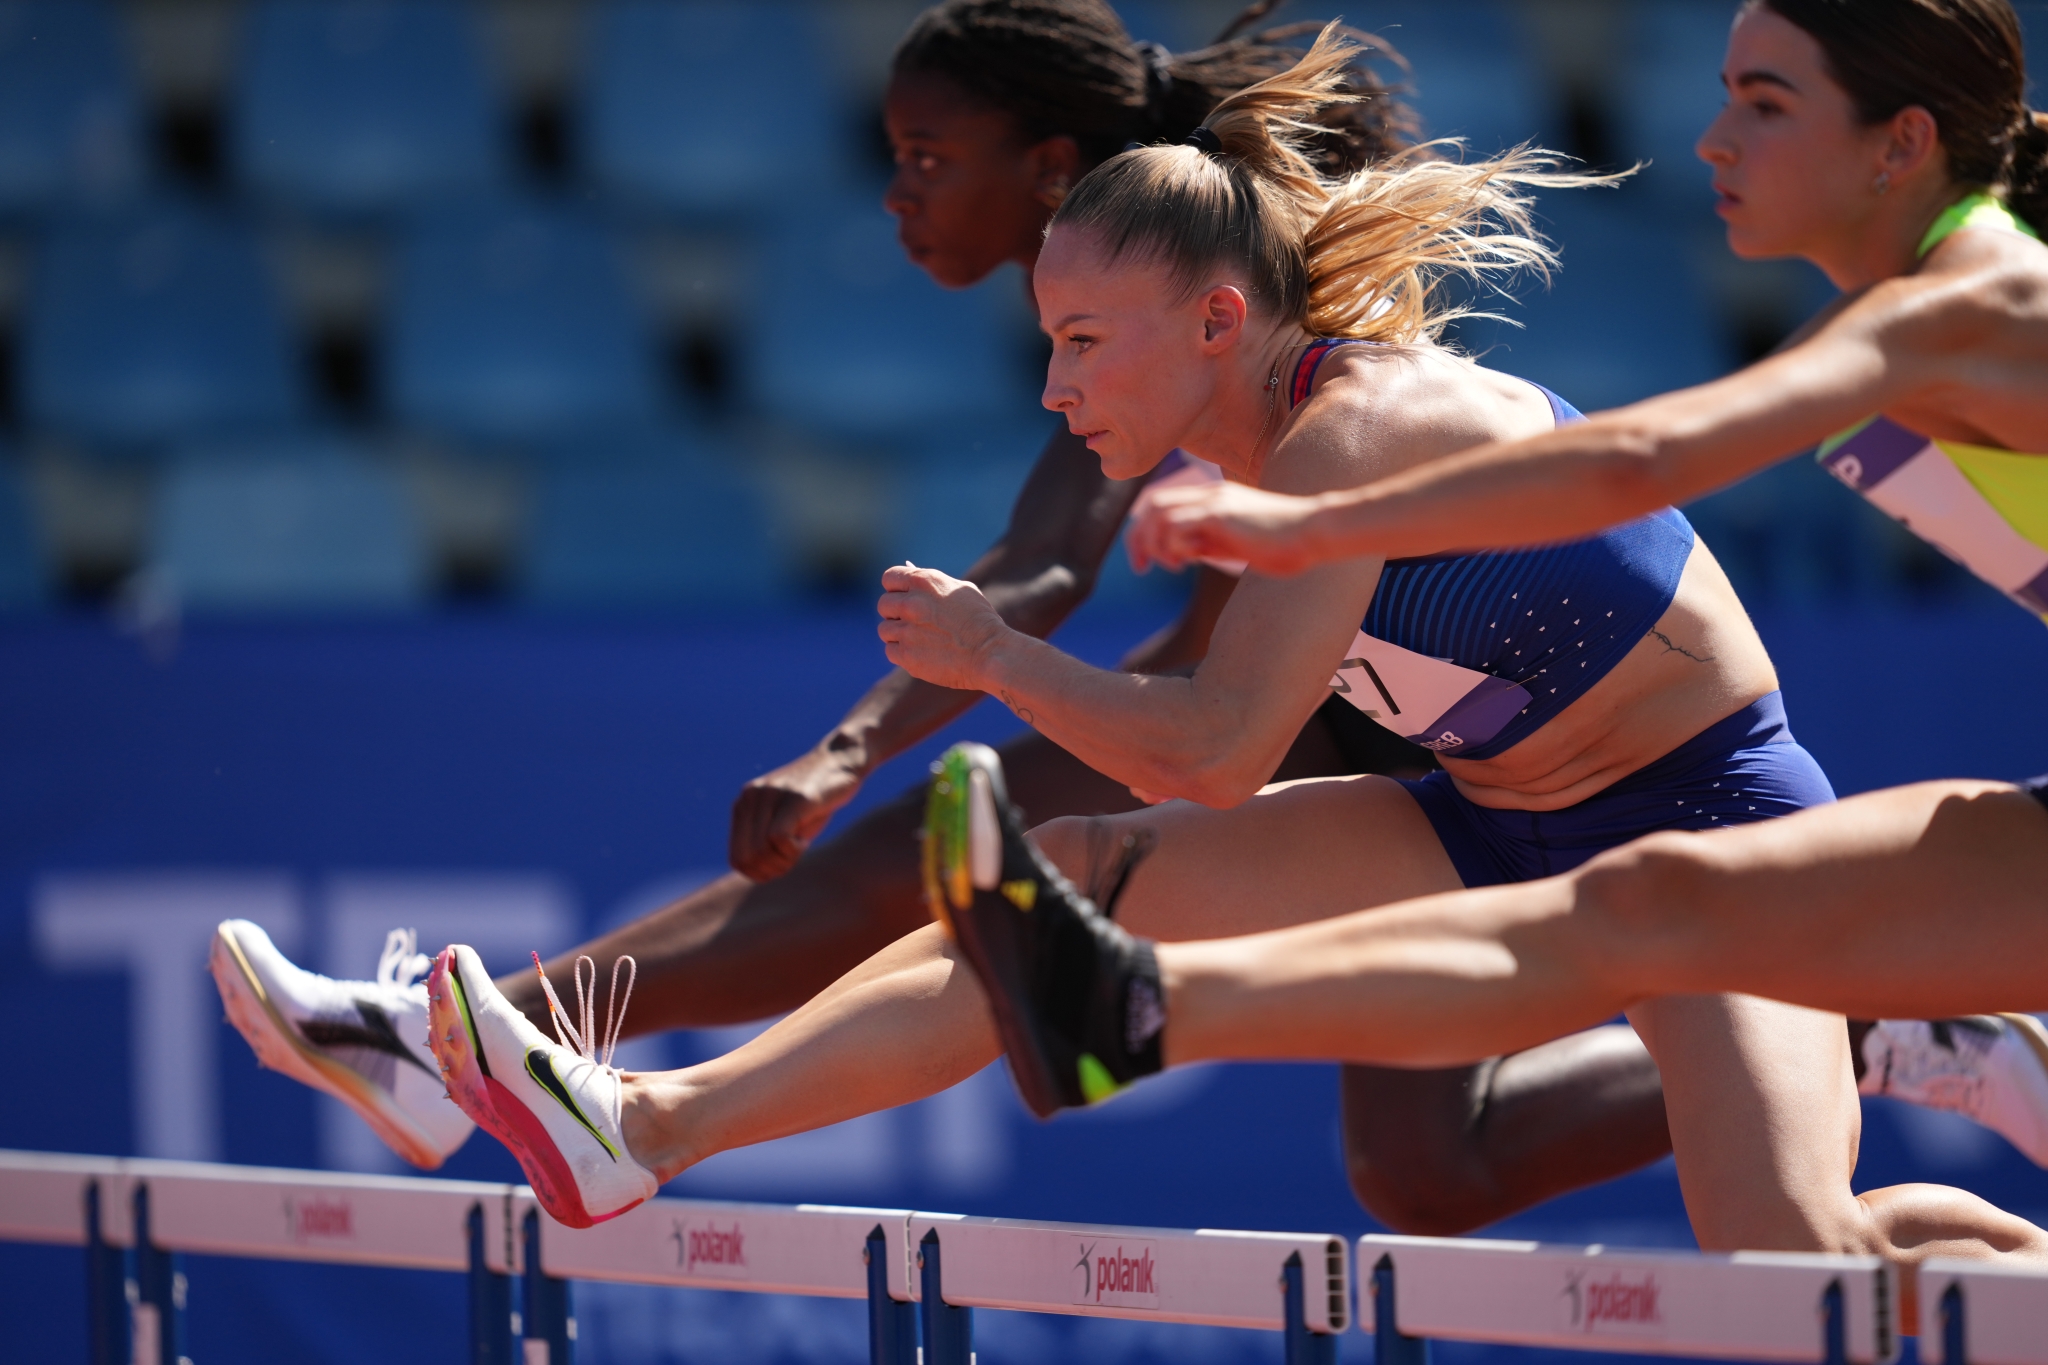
<point x="673" y="116"/>
<point x="366" y="106"/>
<point x="651" y="521"/>
<point x="300" y="523"/>
<point x="151" y="324"/>
<point x="514" y="321"/>
<point x="599" y="296"/>
<point x="70" y="117"/>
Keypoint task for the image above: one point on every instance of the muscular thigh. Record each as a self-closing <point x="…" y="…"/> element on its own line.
<point x="1296" y="852"/>
<point x="1764" y="1120"/>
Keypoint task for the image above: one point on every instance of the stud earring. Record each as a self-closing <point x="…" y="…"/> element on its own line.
<point x="1883" y="182"/>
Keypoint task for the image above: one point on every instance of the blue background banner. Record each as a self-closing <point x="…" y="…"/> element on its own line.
<point x="521" y="782"/>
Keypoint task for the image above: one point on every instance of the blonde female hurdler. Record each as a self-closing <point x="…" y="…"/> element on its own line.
<point x="1887" y="141"/>
<point x="1224" y="345"/>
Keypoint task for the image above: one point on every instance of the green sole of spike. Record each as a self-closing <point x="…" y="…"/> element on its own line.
<point x="946" y="885"/>
<point x="1097" y="1084"/>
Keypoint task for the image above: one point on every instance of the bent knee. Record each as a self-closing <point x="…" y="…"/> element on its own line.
<point x="1411" y="1155"/>
<point x="1421" y="1202"/>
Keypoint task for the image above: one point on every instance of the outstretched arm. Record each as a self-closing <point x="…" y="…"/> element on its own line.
<point x="1065" y="521"/>
<point x="1898" y="344"/>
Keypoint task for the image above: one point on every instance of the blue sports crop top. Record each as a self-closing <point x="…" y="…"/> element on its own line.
<point x="1468" y="654"/>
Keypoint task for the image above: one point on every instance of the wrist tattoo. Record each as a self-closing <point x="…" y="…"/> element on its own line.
<point x="1023" y="712"/>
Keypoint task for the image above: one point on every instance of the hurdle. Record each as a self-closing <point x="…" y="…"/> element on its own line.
<point x="923" y="1274"/>
<point x="137" y="1218"/>
<point x="1977" y="1314"/>
<point x="1749" y="1305"/>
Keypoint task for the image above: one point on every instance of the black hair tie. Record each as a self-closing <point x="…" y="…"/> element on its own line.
<point x="1204" y="140"/>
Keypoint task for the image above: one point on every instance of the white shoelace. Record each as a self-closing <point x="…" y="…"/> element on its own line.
<point x="402" y="963"/>
<point x="584" y="1041"/>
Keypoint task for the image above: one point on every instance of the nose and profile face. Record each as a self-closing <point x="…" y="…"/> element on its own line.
<point x="970" y="190"/>
<point x="1133" y="364"/>
<point x="1793" y="165"/>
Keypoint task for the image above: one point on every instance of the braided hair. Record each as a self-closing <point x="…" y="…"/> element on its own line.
<point x="1068" y="67"/>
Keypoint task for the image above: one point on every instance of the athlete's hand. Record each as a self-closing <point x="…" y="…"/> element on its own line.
<point x="779" y="813"/>
<point x="1225" y="521"/>
<point x="936" y="627"/>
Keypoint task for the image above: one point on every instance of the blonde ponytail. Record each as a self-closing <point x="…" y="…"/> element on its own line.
<point x="1362" y="256"/>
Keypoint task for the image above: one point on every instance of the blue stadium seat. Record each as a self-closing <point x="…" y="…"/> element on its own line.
<point x="710" y="107"/>
<point x="154" y="324"/>
<point x="360" y="106"/>
<point x="650" y="521"/>
<point x="1474" y="72"/>
<point x="954" y="498"/>
<point x="305" y="522"/>
<point x="24" y="580"/>
<point x="1668" y="90"/>
<point x="1624" y="319"/>
<point x="848" y="338"/>
<point x="70" y="129"/>
<point x="515" y="322"/>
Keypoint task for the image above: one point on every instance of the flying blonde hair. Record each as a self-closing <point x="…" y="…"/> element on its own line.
<point x="1362" y="257"/>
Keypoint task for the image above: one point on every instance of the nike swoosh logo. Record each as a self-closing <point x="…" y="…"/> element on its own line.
<point x="541" y="1067"/>
<point x="375" y="1033"/>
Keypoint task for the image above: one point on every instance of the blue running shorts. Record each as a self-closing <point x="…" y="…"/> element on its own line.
<point x="1744" y="768"/>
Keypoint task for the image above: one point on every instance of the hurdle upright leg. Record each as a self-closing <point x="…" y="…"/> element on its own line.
<point x="490" y="1301"/>
<point x="892" y="1326"/>
<point x="1390" y="1347"/>
<point x="550" y="1318"/>
<point x="1301" y="1346"/>
<point x="106" y="1289"/>
<point x="159" y="1293"/>
<point x="948" y="1331"/>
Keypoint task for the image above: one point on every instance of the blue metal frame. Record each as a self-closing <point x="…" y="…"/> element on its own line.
<point x="1390" y="1347"/>
<point x="892" y="1326"/>
<point x="490" y="1302"/>
<point x="1834" y="1331"/>
<point x="948" y="1331"/>
<point x="550" y="1315"/>
<point x="106" y="1290"/>
<point x="1955" y="1335"/>
<point x="1302" y="1346"/>
<point x="160" y="1283"/>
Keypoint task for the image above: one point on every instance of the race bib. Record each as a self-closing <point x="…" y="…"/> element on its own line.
<point x="1918" y="482"/>
<point x="1427" y="701"/>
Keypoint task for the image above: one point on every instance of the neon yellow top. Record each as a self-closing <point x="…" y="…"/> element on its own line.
<point x="1984" y="507"/>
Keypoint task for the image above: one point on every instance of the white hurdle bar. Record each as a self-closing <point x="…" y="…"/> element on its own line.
<point x="1977" y="1314"/>
<point x="1751" y="1305"/>
<point x="136" y="1217"/>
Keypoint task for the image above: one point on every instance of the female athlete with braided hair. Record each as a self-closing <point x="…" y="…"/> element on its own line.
<point x="995" y="108"/>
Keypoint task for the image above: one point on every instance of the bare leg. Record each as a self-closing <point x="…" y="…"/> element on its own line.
<point x="1765" y="1124"/>
<point x="1437" y="1153"/>
<point x="1921" y="902"/>
<point x="911" y="1021"/>
<point x="737" y="951"/>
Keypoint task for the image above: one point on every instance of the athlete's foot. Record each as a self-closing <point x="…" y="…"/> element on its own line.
<point x="1076" y="998"/>
<point x="558" y="1105"/>
<point x="363" y="1042"/>
<point x="1992" y="1068"/>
